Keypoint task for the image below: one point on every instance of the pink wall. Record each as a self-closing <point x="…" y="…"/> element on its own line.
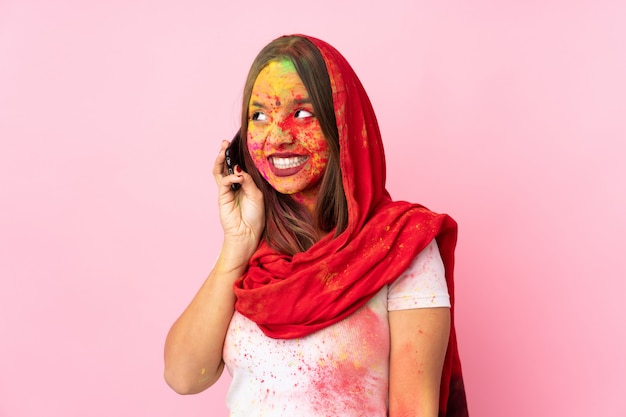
<point x="111" y="114"/>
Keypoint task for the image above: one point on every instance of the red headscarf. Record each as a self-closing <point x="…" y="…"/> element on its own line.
<point x="293" y="296"/>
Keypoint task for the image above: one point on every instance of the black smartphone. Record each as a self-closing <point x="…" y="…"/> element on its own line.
<point x="234" y="157"/>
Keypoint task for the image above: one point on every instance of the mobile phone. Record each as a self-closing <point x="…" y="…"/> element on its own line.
<point x="233" y="157"/>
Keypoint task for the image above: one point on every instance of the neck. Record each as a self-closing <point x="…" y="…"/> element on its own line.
<point x="307" y="198"/>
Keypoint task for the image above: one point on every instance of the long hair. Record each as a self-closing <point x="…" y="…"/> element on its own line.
<point x="289" y="227"/>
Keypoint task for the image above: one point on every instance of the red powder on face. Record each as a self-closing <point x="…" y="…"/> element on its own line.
<point x="283" y="125"/>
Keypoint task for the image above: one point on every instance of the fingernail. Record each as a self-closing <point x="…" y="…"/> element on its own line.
<point x="238" y="169"/>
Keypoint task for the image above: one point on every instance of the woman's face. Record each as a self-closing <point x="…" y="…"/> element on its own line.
<point x="285" y="138"/>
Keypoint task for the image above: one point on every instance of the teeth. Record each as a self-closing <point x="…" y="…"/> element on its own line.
<point x="284" y="163"/>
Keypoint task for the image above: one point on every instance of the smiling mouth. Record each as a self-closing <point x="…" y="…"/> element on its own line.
<point x="288" y="163"/>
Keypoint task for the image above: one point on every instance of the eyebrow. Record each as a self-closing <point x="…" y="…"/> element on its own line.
<point x="257" y="104"/>
<point x="302" y="101"/>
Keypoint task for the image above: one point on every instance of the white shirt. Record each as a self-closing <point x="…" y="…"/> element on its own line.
<point x="341" y="370"/>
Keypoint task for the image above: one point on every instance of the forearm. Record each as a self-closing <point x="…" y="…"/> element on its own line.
<point x="193" y="348"/>
<point x="414" y="394"/>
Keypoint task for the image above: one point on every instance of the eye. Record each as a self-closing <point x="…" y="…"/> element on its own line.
<point x="301" y="114"/>
<point x="259" y="116"/>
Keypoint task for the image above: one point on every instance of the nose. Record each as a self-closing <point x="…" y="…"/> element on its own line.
<point x="278" y="135"/>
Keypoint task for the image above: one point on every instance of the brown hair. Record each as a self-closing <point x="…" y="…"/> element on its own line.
<point x="289" y="228"/>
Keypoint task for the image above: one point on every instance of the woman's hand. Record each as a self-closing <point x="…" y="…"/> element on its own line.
<point x="242" y="213"/>
<point x="194" y="344"/>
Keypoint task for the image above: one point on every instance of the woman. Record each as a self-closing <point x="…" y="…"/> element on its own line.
<point x="327" y="297"/>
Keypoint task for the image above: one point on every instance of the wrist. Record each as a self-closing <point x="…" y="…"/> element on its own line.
<point x="234" y="256"/>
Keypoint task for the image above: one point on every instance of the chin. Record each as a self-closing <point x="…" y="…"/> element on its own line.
<point x="288" y="191"/>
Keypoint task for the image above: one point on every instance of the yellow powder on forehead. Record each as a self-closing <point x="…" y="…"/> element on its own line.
<point x="277" y="78"/>
<point x="275" y="70"/>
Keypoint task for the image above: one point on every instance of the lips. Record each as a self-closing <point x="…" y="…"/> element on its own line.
<point x="283" y="166"/>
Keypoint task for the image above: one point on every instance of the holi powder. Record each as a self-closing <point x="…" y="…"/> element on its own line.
<point x="203" y="376"/>
<point x="339" y="370"/>
<point x="350" y="377"/>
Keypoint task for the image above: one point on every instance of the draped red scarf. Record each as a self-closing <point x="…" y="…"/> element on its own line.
<point x="293" y="296"/>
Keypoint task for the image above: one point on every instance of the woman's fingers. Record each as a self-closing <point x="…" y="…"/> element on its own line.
<point x="218" y="168"/>
<point x="222" y="178"/>
<point x="248" y="186"/>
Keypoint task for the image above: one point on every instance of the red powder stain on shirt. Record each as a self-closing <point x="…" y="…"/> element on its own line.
<point x="349" y="380"/>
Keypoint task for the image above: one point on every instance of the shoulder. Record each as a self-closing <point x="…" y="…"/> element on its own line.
<point x="422" y="284"/>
